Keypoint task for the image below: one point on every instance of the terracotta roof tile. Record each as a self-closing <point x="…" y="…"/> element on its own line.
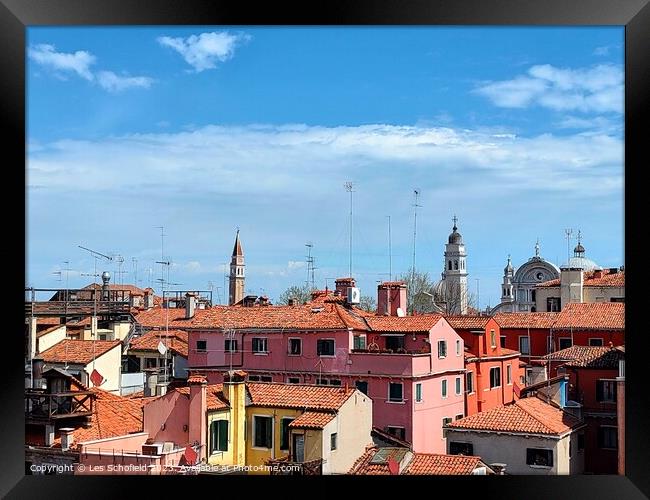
<point x="418" y="463"/>
<point x="529" y="415"/>
<point x="77" y="351"/>
<point x="175" y="340"/>
<point x="606" y="279"/>
<point x="48" y="321"/>
<point x="592" y="316"/>
<point x="420" y="323"/>
<point x="312" y="420"/>
<point x="526" y="320"/>
<point x="215" y="397"/>
<point x="309" y="397"/>
<point x="468" y="322"/>
<point x="588" y="357"/>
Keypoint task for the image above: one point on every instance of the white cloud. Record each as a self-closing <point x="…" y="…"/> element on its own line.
<point x="295" y="264"/>
<point x="205" y="50"/>
<point x="601" y="51"/>
<point x="115" y="83"/>
<point x="595" y="89"/>
<point x="78" y="62"/>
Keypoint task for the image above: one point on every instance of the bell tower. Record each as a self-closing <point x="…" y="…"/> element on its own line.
<point x="237" y="276"/>
<point x="456" y="272"/>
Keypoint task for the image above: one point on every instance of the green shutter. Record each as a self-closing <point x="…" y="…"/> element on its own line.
<point x="222" y="426"/>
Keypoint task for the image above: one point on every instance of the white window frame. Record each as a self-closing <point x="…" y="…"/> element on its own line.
<point x="255" y="432"/>
<point x="458" y="385"/>
<point x="444" y="388"/>
<point x="493" y="338"/>
<point x="445" y="343"/>
<point x="418" y="388"/>
<point x="265" y="352"/>
<point x="509" y="374"/>
<point x="289" y="353"/>
<point x="500" y="378"/>
<point x="231" y="341"/>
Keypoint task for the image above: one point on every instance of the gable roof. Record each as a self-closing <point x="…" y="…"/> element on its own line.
<point x="468" y="322"/>
<point x="215" y="398"/>
<point x="312" y="420"/>
<point x="606" y="279"/>
<point x="307" y="397"/>
<point x="530" y="320"/>
<point x="592" y="316"/>
<point x="420" y="323"/>
<point x="175" y="340"/>
<point x="579" y="356"/>
<point x="77" y="351"/>
<point x="528" y="416"/>
<point x="419" y="463"/>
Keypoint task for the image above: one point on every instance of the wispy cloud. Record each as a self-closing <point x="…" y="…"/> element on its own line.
<point x="79" y="63"/>
<point x="204" y="51"/>
<point x="601" y="51"/>
<point x="116" y="83"/>
<point x="595" y="89"/>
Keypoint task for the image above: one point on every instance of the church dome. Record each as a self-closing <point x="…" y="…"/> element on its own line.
<point x="579" y="248"/>
<point x="455" y="238"/>
<point x="581" y="263"/>
<point x="508" y="268"/>
<point x="440" y="291"/>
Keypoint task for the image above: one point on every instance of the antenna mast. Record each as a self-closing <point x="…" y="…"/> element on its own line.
<point x="390" y="254"/>
<point x="569" y="233"/>
<point x="416" y="194"/>
<point x="310" y="266"/>
<point x="349" y="187"/>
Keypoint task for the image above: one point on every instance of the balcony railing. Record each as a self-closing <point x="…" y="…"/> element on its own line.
<point x="390" y="351"/>
<point x="40" y="405"/>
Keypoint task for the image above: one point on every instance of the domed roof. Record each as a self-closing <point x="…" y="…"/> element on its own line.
<point x="581" y="263"/>
<point x="508" y="268"/>
<point x="440" y="291"/>
<point x="455" y="237"/>
<point x="579" y="248"/>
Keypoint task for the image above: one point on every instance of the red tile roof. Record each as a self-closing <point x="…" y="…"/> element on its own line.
<point x="77" y="351"/>
<point x="112" y="416"/>
<point x="420" y="323"/>
<point x="607" y="279"/>
<point x="468" y="322"/>
<point x="48" y="321"/>
<point x="529" y="416"/>
<point x="312" y="420"/>
<point x="526" y="320"/>
<point x="308" y="397"/>
<point x="418" y="463"/>
<point x="579" y="356"/>
<point x="592" y="316"/>
<point x="175" y="340"/>
<point x="215" y="396"/>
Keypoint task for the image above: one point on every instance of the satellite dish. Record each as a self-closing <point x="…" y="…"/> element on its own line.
<point x="400" y="312"/>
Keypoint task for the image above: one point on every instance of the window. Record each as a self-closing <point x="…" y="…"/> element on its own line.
<point x="493" y="339"/>
<point x="456" y="448"/>
<point x="444" y="388"/>
<point x="607" y="437"/>
<point x="293" y="380"/>
<point x="201" y="346"/>
<point x="523" y="345"/>
<point x="533" y="295"/>
<point x="539" y="456"/>
<point x="469" y="382"/>
<point x="442" y="348"/>
<point x="509" y="374"/>
<point x="253" y="378"/>
<point x="325" y="347"/>
<point x="458" y="348"/>
<point x="335" y="382"/>
<point x="458" y="417"/>
<point x="553" y="304"/>
<point x="266" y="378"/>
<point x="606" y="391"/>
<point x="262" y="432"/>
<point x="502" y="340"/>
<point x="230" y="345"/>
<point x="398" y="432"/>
<point x="450" y="265"/>
<point x="395" y="392"/>
<point x="359" y="342"/>
<point x="284" y="433"/>
<point x="617" y="299"/>
<point x="495" y="377"/>
<point x="260" y="345"/>
<point x="295" y="347"/>
<point x="456" y="265"/>
<point x="596" y="342"/>
<point x="418" y="393"/>
<point x="362" y="385"/>
<point x="446" y="420"/>
<point x="565" y="343"/>
<point x="458" y="386"/>
<point x="322" y="381"/>
<point x="395" y="343"/>
<point x="218" y="436"/>
<point x="333" y="437"/>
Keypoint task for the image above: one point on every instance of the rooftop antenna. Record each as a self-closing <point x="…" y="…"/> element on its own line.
<point x="162" y="249"/>
<point x="67" y="276"/>
<point x="93" y="323"/>
<point x="416" y="195"/>
<point x="569" y="233"/>
<point x="225" y="268"/>
<point x="134" y="261"/>
<point x="349" y="187"/>
<point x="310" y="266"/>
<point x="120" y="273"/>
<point x="390" y="254"/>
<point x="478" y="295"/>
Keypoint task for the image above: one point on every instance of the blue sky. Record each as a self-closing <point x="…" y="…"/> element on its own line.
<point x="518" y="131"/>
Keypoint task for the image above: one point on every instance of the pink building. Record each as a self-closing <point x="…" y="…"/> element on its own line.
<point x="412" y="367"/>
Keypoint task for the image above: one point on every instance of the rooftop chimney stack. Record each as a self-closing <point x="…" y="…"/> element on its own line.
<point x="190" y="305"/>
<point x="67" y="438"/>
<point x="342" y="285"/>
<point x="198" y="409"/>
<point x="391" y="296"/>
<point x="106" y="277"/>
<point x="151" y="382"/>
<point x="148" y="298"/>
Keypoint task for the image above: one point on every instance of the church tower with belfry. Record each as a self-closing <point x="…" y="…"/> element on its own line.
<point x="455" y="274"/>
<point x="237" y="275"/>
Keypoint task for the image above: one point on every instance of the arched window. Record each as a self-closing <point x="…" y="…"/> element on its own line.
<point x="456" y="265"/>
<point x="450" y="265"/>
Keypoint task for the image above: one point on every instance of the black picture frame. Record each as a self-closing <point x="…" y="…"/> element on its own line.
<point x="16" y="15"/>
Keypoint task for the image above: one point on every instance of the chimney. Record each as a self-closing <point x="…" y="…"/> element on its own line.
<point x="291" y="302"/>
<point x="148" y="298"/>
<point x="190" y="305"/>
<point x="37" y="373"/>
<point x="49" y="434"/>
<point x="151" y="381"/>
<point x="106" y="277"/>
<point x="234" y="390"/>
<point x="342" y="285"/>
<point x="67" y="437"/>
<point x="31" y="325"/>
<point x="198" y="410"/>
<point x="391" y="296"/>
<point x="598" y="273"/>
<point x="264" y="300"/>
<point x="571" y="285"/>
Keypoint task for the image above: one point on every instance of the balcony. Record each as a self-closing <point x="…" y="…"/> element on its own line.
<point x="387" y="362"/>
<point x="41" y="406"/>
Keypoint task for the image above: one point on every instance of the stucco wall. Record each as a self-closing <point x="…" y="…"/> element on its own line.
<point x="109" y="365"/>
<point x="172" y="410"/>
<point x="258" y="456"/>
<point x="46" y="341"/>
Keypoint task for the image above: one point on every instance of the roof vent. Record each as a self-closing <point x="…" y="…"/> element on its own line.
<point x="316" y="309"/>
